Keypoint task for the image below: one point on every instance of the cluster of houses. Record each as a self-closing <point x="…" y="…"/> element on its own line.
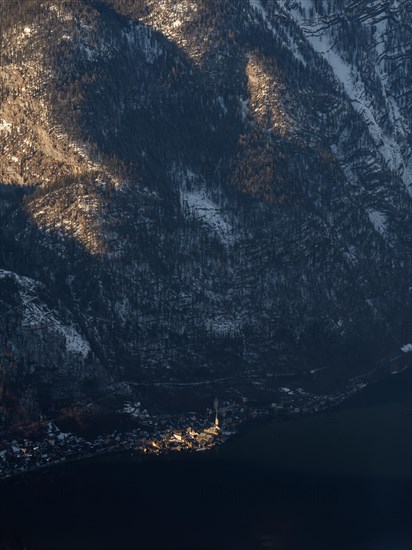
<point x="161" y="435"/>
<point x="182" y="440"/>
<point x="55" y="447"/>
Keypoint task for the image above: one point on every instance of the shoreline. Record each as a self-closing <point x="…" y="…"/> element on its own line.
<point x="166" y="443"/>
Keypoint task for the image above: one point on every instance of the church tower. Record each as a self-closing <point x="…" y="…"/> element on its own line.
<point x="216" y="407"/>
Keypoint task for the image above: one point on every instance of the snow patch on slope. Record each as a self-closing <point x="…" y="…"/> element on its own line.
<point x="198" y="204"/>
<point x="290" y="44"/>
<point x="378" y="220"/>
<point x="75" y="343"/>
<point x="203" y="208"/>
<point x="37" y="316"/>
<point x="351" y="81"/>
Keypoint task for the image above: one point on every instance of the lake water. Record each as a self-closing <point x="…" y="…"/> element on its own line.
<point x="342" y="480"/>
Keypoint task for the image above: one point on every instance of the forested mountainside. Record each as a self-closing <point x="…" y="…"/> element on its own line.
<point x="209" y="195"/>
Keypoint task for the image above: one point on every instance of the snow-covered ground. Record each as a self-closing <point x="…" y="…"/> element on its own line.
<point x="290" y="43"/>
<point x="208" y="212"/>
<point x="197" y="203"/>
<point x="351" y="80"/>
<point x="135" y="410"/>
<point x="378" y="220"/>
<point x="407" y="348"/>
<point x="37" y="316"/>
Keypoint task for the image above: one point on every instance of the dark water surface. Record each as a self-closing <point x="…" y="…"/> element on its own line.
<point x="336" y="481"/>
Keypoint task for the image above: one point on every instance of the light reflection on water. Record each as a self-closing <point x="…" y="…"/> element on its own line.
<point x="341" y="481"/>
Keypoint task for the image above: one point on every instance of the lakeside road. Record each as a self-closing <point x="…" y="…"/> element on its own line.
<point x="339" y="480"/>
<point x="190" y="432"/>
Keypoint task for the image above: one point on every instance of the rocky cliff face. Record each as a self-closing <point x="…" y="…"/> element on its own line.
<point x="202" y="195"/>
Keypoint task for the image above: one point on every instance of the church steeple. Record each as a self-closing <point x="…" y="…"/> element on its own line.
<point x="216" y="407"/>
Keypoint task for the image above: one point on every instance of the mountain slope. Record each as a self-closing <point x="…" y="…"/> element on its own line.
<point x="206" y="192"/>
